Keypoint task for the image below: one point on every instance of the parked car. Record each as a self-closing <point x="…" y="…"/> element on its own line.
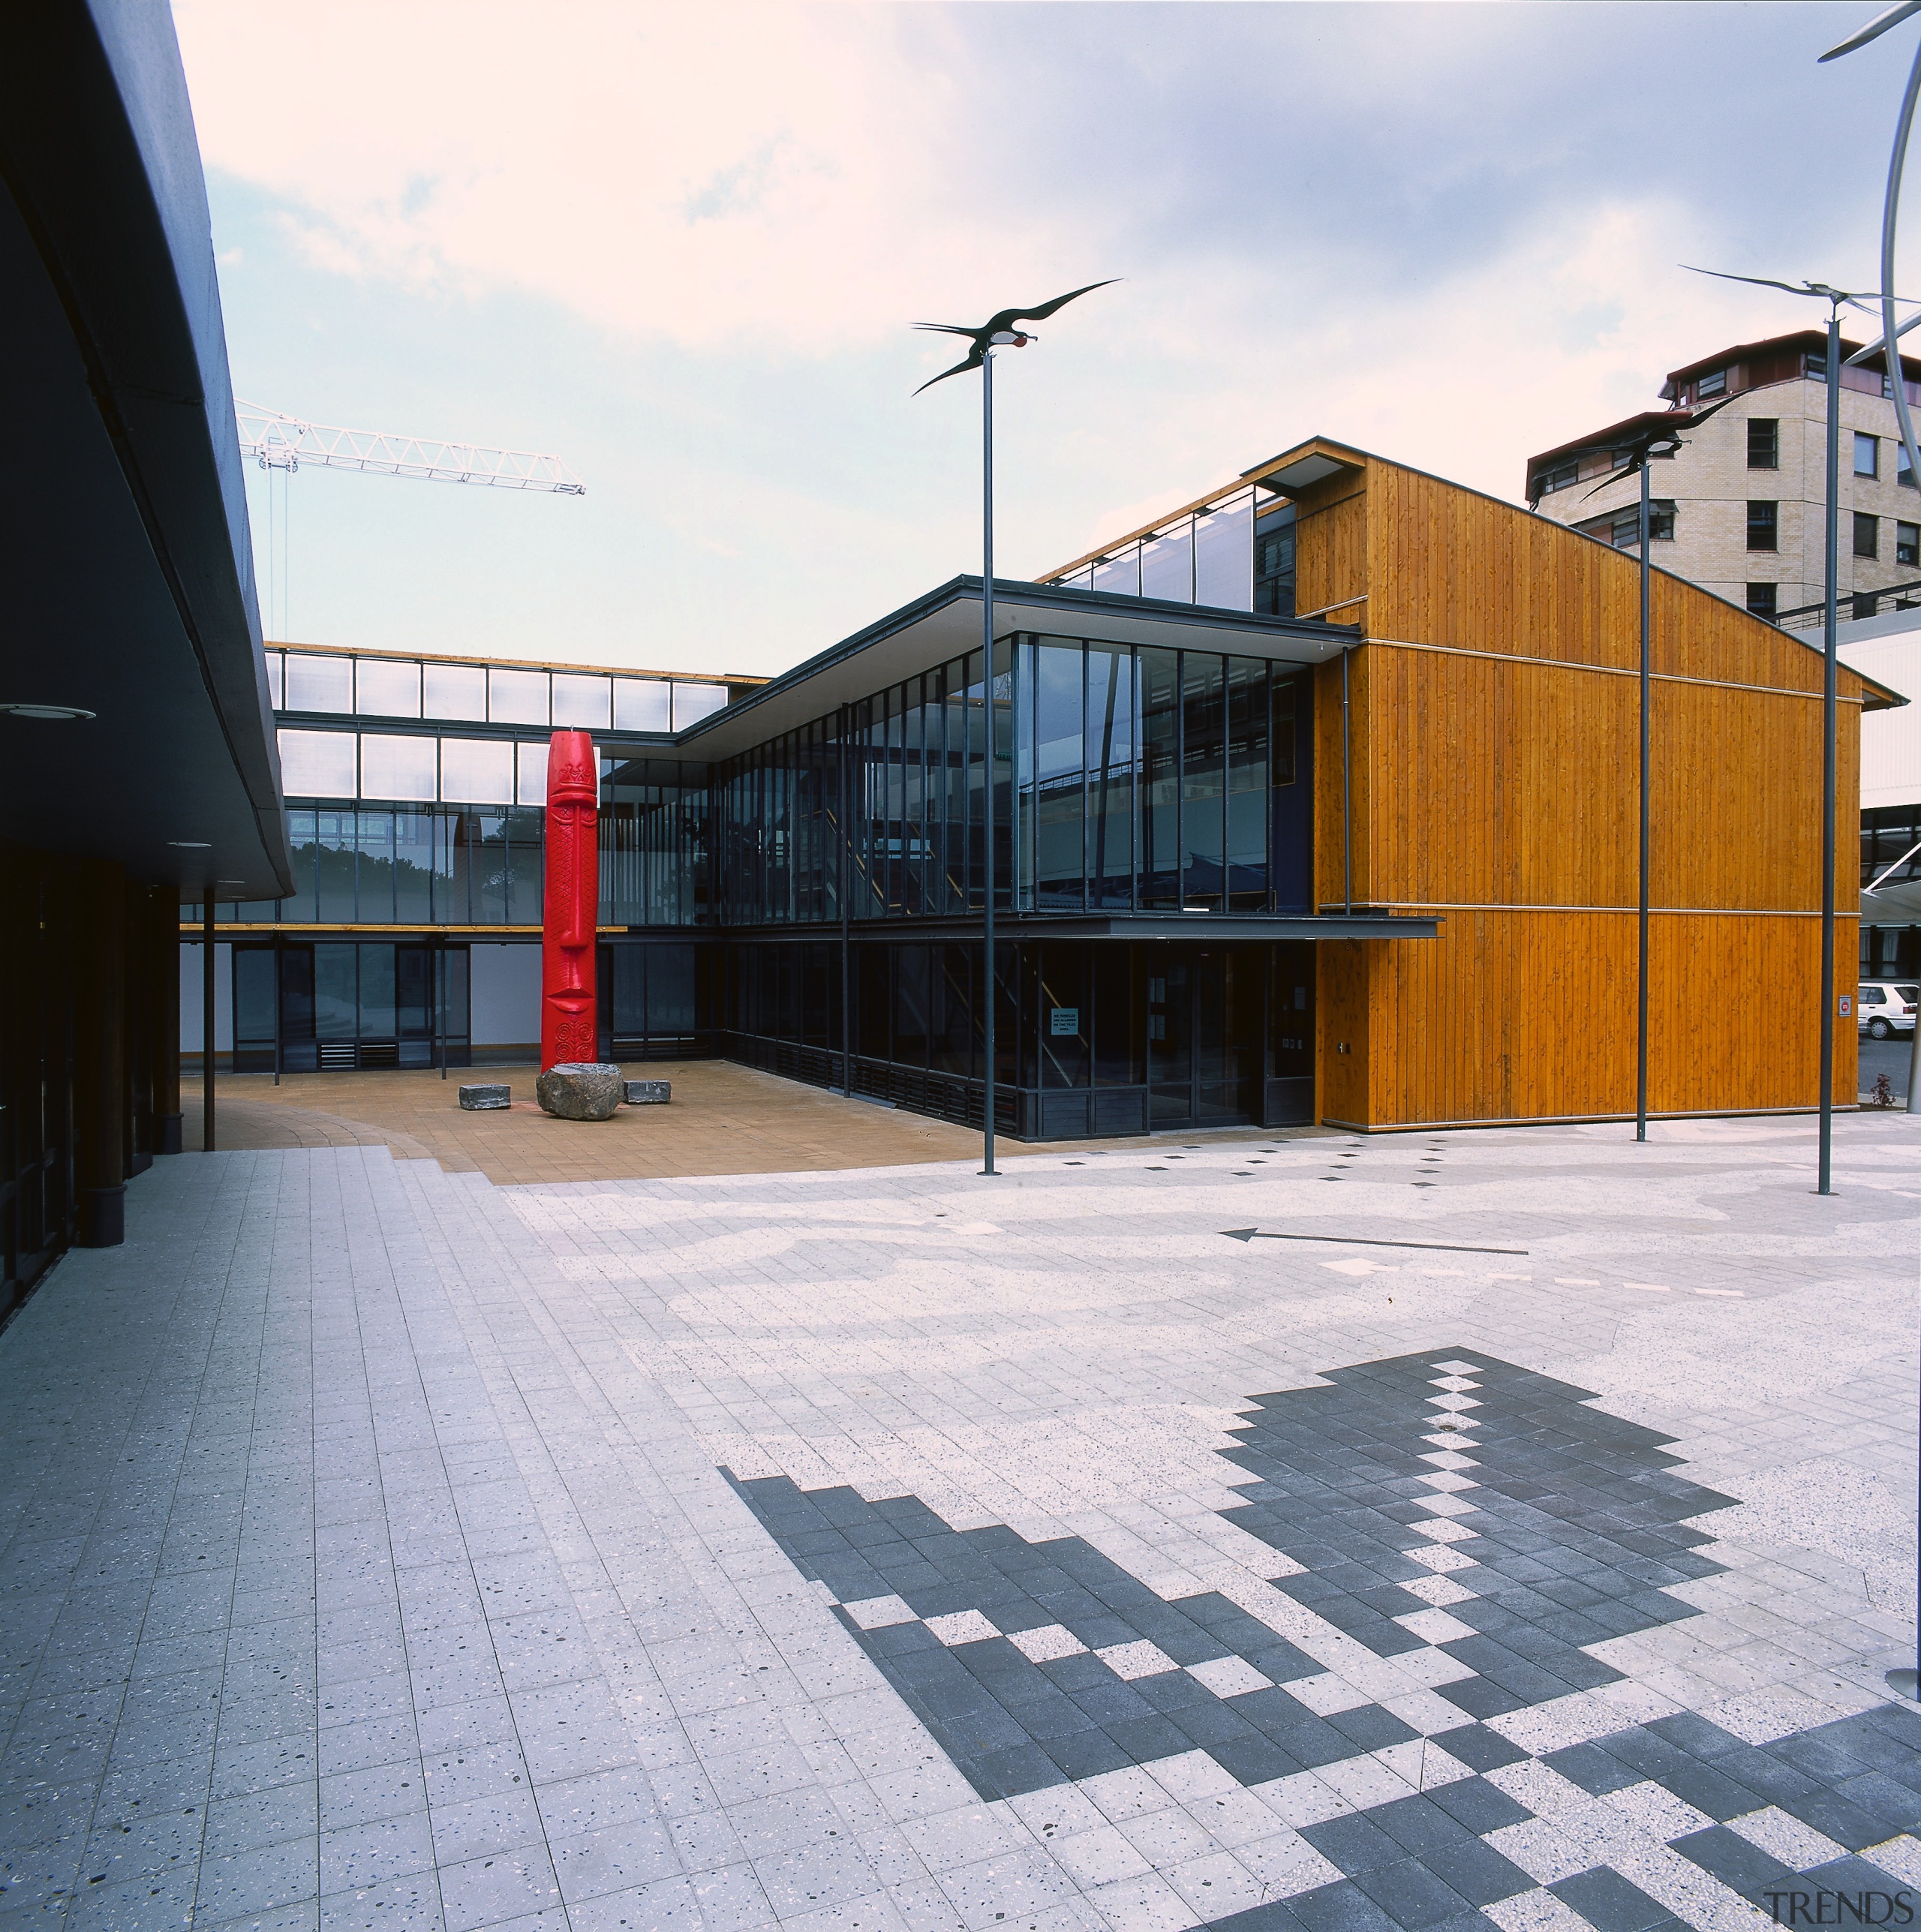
<point x="1884" y="1008"/>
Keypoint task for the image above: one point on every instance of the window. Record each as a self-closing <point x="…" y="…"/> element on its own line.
<point x="1816" y="366"/>
<point x="316" y="765"/>
<point x="1761" y="523"/>
<point x="319" y="684"/>
<point x="1864" y="605"/>
<point x="518" y="698"/>
<point x="1867" y="535"/>
<point x="1904" y="473"/>
<point x="393" y="766"/>
<point x="1761" y="600"/>
<point x="457" y="691"/>
<point x="476" y="771"/>
<point x="387" y="689"/>
<point x="1712" y="385"/>
<point x="1763" y="443"/>
<point x="692" y="702"/>
<point x="580" y="702"/>
<point x="1558" y="478"/>
<point x="1867" y="454"/>
<point x="641" y="704"/>
<point x="1907" y="543"/>
<point x="531" y="772"/>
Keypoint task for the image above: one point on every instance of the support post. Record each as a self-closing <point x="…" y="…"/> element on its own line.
<point x="846" y="893"/>
<point x="207" y="1137"/>
<point x="164" y="1035"/>
<point x="1641" y="988"/>
<point x="987" y="678"/>
<point x="1824" y="1183"/>
<point x="1347" y="796"/>
<point x="100" y="1042"/>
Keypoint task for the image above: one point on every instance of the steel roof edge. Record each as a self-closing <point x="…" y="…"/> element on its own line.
<point x="1052" y="597"/>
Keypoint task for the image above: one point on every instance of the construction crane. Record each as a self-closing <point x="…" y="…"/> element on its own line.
<point x="281" y="442"/>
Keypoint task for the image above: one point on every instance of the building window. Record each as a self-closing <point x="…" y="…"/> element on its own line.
<point x="1817" y="366"/>
<point x="1864" y="606"/>
<point x="1867" y="535"/>
<point x="1761" y="523"/>
<point x="1907" y="543"/>
<point x="1867" y="455"/>
<point x="1558" y="478"/>
<point x="1904" y="473"/>
<point x="1714" y="385"/>
<point x="1763" y="443"/>
<point x="1761" y="600"/>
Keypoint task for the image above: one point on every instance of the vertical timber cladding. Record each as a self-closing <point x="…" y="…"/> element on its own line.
<point x="1501" y="795"/>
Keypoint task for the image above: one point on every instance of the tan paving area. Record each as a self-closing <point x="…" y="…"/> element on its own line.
<point x="723" y="1119"/>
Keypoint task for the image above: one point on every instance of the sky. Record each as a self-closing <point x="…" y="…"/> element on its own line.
<point x="681" y="248"/>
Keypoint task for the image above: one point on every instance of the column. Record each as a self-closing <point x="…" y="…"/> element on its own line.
<point x="100" y="1067"/>
<point x="163" y="1034"/>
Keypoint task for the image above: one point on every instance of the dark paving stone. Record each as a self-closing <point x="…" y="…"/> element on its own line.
<point x="1418" y="1823"/>
<point x="1340" y="1907"/>
<point x="1475" y="1870"/>
<point x="1479" y="1748"/>
<point x="1609" y="1903"/>
<point x="1597" y="1771"/>
<point x="1355" y="1842"/>
<point x="1411" y="1894"/>
<point x="1703" y="1787"/>
<point x="1846" y="1824"/>
<point x="1481" y="1807"/>
<point x="1740" y="1867"/>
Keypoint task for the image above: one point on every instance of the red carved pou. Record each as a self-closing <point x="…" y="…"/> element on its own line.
<point x="568" y="1015"/>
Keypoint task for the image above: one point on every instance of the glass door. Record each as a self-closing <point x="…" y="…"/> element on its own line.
<point x="1170" y="1039"/>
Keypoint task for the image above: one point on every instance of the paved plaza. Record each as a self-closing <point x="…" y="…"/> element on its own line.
<point x="1516" y="1535"/>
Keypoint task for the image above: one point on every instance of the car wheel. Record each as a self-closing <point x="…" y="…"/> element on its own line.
<point x="1880" y="1029"/>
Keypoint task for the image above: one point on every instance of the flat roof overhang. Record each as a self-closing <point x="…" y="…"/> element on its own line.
<point x="1221" y="928"/>
<point x="946" y="623"/>
<point x="130" y="589"/>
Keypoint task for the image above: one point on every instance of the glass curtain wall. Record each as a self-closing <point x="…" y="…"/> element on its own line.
<point x="1124" y="780"/>
<point x="1206" y="557"/>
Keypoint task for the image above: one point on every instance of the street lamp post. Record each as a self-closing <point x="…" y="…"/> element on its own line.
<point x="998" y="331"/>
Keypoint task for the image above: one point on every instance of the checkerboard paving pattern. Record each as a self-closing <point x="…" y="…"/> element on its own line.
<point x="367" y="1561"/>
<point x="1038" y="1665"/>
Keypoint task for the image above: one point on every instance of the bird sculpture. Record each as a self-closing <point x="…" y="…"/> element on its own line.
<point x="999" y="331"/>
<point x="1654" y="440"/>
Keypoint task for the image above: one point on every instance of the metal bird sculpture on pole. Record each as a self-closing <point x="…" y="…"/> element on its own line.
<point x="999" y="331"/>
<point x="1837" y="299"/>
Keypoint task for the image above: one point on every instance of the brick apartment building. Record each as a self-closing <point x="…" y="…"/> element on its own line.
<point x="1739" y="510"/>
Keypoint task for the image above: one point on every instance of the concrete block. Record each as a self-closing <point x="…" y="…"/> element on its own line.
<point x="485" y="1097"/>
<point x="649" y="1092"/>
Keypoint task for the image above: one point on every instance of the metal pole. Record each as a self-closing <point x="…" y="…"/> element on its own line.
<point x="1824" y="1183"/>
<point x="1347" y="808"/>
<point x="846" y="889"/>
<point x="987" y="676"/>
<point x="207" y="1017"/>
<point x="1897" y="379"/>
<point x="1641" y="1034"/>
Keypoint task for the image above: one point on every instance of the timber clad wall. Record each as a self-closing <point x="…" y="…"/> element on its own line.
<point x="1494" y="728"/>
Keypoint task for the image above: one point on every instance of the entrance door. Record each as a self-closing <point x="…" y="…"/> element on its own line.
<point x="1204" y="1037"/>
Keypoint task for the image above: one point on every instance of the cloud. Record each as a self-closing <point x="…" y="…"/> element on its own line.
<point x="1448" y="232"/>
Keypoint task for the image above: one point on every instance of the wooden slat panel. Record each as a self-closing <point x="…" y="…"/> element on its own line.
<point x="1503" y="796"/>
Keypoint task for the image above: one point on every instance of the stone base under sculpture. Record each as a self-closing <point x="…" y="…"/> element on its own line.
<point x="580" y="1090"/>
<point x="649" y="1092"/>
<point x="486" y="1097"/>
